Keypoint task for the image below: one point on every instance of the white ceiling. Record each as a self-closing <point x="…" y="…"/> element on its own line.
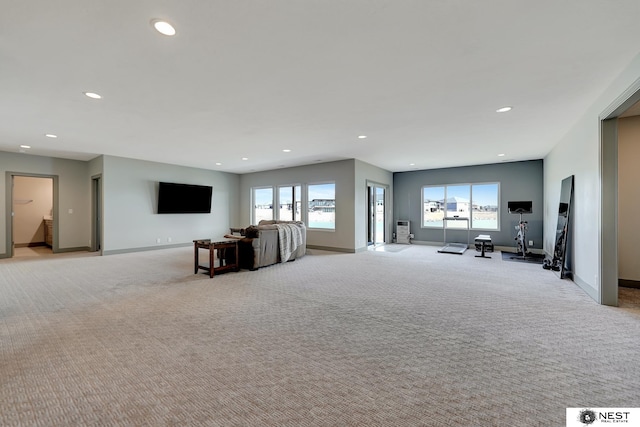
<point x="248" y="78"/>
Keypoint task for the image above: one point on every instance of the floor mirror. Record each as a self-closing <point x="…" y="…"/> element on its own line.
<point x="561" y="260"/>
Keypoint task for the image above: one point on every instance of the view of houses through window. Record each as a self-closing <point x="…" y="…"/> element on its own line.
<point x="322" y="206"/>
<point x="262" y="204"/>
<point x="477" y="202"/>
<point x="290" y="203"/>
<point x="321" y="212"/>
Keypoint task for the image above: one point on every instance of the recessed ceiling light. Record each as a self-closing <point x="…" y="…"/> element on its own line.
<point x="92" y="95"/>
<point x="245" y="158"/>
<point x="501" y="155"/>
<point x="503" y="109"/>
<point x="50" y="135"/>
<point x="286" y="150"/>
<point x="412" y="164"/>
<point x="362" y="136"/>
<point x="218" y="164"/>
<point x="163" y="27"/>
<point x="25" y="146"/>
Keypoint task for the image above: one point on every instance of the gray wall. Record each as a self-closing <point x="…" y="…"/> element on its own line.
<point x="341" y="172"/>
<point x="129" y="200"/>
<point x="518" y="181"/>
<point x="579" y="153"/>
<point x="73" y="209"/>
<point x="351" y="177"/>
<point x="130" y="191"/>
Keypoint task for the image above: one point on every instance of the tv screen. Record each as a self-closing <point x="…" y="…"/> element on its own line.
<point x="520" y="207"/>
<point x="183" y="198"/>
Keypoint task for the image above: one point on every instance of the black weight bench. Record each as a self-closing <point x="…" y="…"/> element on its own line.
<point x="483" y="244"/>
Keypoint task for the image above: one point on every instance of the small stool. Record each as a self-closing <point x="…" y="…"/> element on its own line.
<point x="483" y="243"/>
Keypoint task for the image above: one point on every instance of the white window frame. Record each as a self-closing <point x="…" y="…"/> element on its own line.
<point x="253" y="202"/>
<point x="293" y="193"/>
<point x="306" y="200"/>
<point x="497" y="206"/>
<point x="470" y="215"/>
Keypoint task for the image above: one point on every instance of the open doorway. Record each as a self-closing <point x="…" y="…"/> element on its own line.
<point x="33" y="226"/>
<point x="617" y="218"/>
<point x="376" y="214"/>
<point x="96" y="213"/>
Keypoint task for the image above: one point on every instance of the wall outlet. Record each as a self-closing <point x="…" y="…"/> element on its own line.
<point x="158" y="240"/>
<point x="530" y="242"/>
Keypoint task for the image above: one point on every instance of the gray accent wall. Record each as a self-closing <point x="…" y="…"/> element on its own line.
<point x="130" y="218"/>
<point x="519" y="181"/>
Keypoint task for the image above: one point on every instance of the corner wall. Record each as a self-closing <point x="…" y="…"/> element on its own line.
<point x="341" y="172"/>
<point x="73" y="197"/>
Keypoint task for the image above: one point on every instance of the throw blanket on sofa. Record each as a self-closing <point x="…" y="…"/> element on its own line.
<point x="290" y="238"/>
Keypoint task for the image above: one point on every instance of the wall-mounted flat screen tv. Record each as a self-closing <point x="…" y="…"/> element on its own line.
<point x="183" y="198"/>
<point x="520" y="207"/>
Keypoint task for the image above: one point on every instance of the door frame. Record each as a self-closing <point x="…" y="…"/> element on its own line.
<point x="607" y="292"/>
<point x="96" y="214"/>
<point x="371" y="186"/>
<point x="9" y="175"/>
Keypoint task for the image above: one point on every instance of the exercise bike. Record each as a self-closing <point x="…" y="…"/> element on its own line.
<point x="521" y="238"/>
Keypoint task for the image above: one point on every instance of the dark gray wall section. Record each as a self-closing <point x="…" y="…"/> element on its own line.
<point x="518" y="181"/>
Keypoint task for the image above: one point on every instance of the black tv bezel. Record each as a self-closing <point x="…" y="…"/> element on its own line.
<point x="184" y="204"/>
<point x="518" y="207"/>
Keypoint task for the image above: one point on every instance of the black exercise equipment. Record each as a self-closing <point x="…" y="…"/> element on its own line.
<point x="483" y="244"/>
<point x="521" y="208"/>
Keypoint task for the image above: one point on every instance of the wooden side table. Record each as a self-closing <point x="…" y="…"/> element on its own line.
<point x="226" y="261"/>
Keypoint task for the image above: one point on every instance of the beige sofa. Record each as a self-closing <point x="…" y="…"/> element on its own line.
<point x="271" y="242"/>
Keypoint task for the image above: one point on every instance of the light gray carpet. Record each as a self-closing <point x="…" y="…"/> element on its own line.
<point x="380" y="338"/>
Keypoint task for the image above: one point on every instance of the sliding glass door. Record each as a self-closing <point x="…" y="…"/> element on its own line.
<point x="376" y="203"/>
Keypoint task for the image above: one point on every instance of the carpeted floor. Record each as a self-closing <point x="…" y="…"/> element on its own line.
<point x="379" y="338"/>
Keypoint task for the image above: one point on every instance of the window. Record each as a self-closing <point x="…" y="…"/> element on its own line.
<point x="457" y="204"/>
<point x="290" y="203"/>
<point x="432" y="201"/>
<point x="322" y="206"/>
<point x="484" y="213"/>
<point x="262" y="204"/>
<point x="477" y="202"/>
